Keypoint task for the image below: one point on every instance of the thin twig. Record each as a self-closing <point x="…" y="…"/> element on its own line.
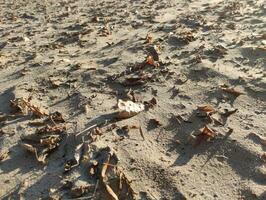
<point x="96" y="187"/>
<point x="141" y="133"/>
<point x="86" y="129"/>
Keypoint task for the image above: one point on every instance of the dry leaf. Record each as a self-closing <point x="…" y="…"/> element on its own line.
<point x="206" y="131"/>
<point x="126" y="190"/>
<point x="150" y="61"/>
<point x="79" y="191"/>
<point x="227" y="112"/>
<point x="151" y="103"/>
<point x="51" y="130"/>
<point x="129" y="109"/>
<point x="156" y="122"/>
<point x="41" y="158"/>
<point x="43" y="142"/>
<point x="3" y="155"/>
<point x="57" y="117"/>
<point x="149" y="39"/>
<point x="232" y="91"/>
<point x="206" y="108"/>
<point x="133" y="81"/>
<point x="23" y="106"/>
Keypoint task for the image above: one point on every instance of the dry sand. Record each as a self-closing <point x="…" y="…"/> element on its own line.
<point x="73" y="56"/>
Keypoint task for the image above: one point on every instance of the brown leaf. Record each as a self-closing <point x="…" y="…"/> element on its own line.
<point x="206" y="108"/>
<point x="3" y="155"/>
<point x="227" y="112"/>
<point x="150" y="61"/>
<point x="232" y="91"/>
<point x="133" y="81"/>
<point x="206" y="131"/>
<point x="51" y="130"/>
<point x="151" y="103"/>
<point x="149" y="39"/>
<point x="23" y="106"/>
<point x="57" y="117"/>
<point x="205" y="134"/>
<point x="41" y="158"/>
<point x="156" y="122"/>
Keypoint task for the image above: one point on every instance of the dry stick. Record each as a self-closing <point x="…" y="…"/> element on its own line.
<point x="141" y="133"/>
<point x="82" y="198"/>
<point x="96" y="187"/>
<point x="93" y="126"/>
<point x="87" y="129"/>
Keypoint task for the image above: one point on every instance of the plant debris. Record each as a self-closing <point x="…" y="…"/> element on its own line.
<point x="206" y="133"/>
<point x="43" y="142"/>
<point x="155" y="122"/>
<point x="57" y="117"/>
<point x="133" y="81"/>
<point x="150" y="61"/>
<point x="25" y="107"/>
<point x="232" y="91"/>
<point x="151" y="103"/>
<point x="113" y="181"/>
<point x="149" y="39"/>
<point x="80" y="190"/>
<point x="207" y="109"/>
<point x="3" y="155"/>
<point x="128" y="109"/>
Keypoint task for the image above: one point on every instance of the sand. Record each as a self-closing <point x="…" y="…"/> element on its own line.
<point x="78" y="58"/>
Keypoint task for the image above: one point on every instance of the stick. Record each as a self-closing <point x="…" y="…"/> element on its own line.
<point x="141" y="133"/>
<point x="87" y="129"/>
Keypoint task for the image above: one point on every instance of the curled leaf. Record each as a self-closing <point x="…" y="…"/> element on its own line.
<point x="206" y="131"/>
<point x="232" y="91"/>
<point x="41" y="158"/>
<point x="206" y="108"/>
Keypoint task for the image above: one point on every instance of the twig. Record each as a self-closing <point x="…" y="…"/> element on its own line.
<point x="141" y="133"/>
<point x="81" y="198"/>
<point x="87" y="129"/>
<point x="95" y="189"/>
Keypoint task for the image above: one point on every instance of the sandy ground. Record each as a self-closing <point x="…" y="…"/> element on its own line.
<point x="78" y="57"/>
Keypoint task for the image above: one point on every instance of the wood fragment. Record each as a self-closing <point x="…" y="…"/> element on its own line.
<point x="232" y="91"/>
<point x="141" y="133"/>
<point x="110" y="192"/>
<point x="105" y="166"/>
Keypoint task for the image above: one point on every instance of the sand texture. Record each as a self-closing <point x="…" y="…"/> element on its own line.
<point x="133" y="99"/>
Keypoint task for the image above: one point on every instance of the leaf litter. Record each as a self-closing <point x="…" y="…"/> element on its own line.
<point x="113" y="181"/>
<point x="43" y="142"/>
